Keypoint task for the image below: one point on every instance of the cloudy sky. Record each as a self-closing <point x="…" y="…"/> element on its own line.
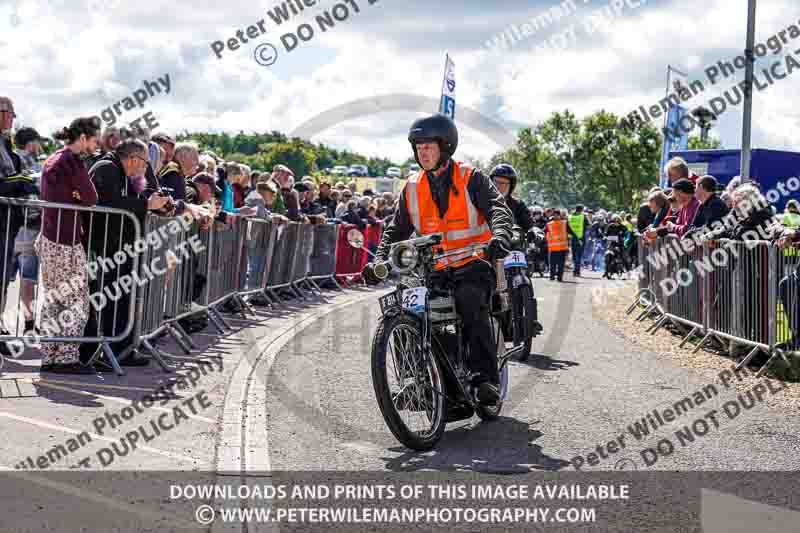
<point x="60" y="59"/>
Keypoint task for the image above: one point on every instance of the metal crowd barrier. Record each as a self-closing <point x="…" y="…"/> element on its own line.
<point x="256" y="258"/>
<point x="650" y="294"/>
<point x="740" y="295"/>
<point x="685" y="303"/>
<point x="175" y="268"/>
<point x="280" y="278"/>
<point x="322" y="267"/>
<point x="733" y="291"/>
<point x="299" y="262"/>
<point x="292" y="258"/>
<point x="224" y="261"/>
<point x="260" y="238"/>
<point x="168" y="297"/>
<point x="643" y="247"/>
<point x="100" y="281"/>
<point x="787" y="314"/>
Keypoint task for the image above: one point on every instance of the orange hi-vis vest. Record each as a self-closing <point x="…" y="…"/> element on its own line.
<point x="557" y="236"/>
<point x="463" y="226"/>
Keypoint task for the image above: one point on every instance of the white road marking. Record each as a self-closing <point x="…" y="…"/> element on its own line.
<point x="65" y="429"/>
<point x="239" y="419"/>
<point x="88" y="384"/>
<point x="123" y="401"/>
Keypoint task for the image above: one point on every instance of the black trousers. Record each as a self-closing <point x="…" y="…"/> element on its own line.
<point x="473" y="286"/>
<point x="557" y="260"/>
<point x="111" y="323"/>
<point x="8" y="232"/>
<point x="577" y="256"/>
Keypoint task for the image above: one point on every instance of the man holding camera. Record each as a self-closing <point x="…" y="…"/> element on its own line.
<point x="118" y="177"/>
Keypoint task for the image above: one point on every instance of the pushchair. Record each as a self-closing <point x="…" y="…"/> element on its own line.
<point x="615" y="257"/>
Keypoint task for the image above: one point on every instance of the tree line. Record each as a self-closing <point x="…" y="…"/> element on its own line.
<point x="265" y="150"/>
<point x="599" y="160"/>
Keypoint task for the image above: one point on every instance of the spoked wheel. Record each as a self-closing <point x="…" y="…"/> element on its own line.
<point x="409" y="385"/>
<point x="491" y="412"/>
<point x="524" y="316"/>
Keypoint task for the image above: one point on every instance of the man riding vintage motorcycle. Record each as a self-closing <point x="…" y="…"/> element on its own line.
<point x="505" y="179"/>
<point x="521" y="325"/>
<point x="453" y="198"/>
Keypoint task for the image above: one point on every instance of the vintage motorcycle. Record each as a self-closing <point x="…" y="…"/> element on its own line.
<point x="520" y="324"/>
<point x="419" y="357"/>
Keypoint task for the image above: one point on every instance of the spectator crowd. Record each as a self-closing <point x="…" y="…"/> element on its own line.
<point x="582" y="235"/>
<point x="143" y="172"/>
<point x="699" y="209"/>
<point x="139" y="172"/>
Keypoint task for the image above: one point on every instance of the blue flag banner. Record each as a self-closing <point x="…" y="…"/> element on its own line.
<point x="675" y="138"/>
<point x="447" y="105"/>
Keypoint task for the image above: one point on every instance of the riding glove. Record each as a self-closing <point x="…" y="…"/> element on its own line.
<point x="499" y="248"/>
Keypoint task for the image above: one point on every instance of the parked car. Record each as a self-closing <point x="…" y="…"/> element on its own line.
<point x="412" y="168"/>
<point x="360" y="171"/>
<point x="339" y="170"/>
<point x="394" y="172"/>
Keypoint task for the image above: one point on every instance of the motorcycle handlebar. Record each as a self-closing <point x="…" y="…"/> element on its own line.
<point x="432" y="239"/>
<point x="381" y="270"/>
<point x="475" y="249"/>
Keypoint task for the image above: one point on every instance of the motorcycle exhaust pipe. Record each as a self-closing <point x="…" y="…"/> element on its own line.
<point x="502" y="285"/>
<point x="500" y="274"/>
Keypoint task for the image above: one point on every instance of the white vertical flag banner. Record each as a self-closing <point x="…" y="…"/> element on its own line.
<point x="447" y="105"/>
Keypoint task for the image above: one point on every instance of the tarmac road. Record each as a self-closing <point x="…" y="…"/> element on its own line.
<point x="287" y="395"/>
<point x="583" y="387"/>
<point x="291" y="390"/>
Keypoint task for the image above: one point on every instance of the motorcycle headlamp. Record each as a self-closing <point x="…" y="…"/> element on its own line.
<point x="403" y="258"/>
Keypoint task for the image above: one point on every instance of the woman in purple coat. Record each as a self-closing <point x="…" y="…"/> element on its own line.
<point x="61" y="255"/>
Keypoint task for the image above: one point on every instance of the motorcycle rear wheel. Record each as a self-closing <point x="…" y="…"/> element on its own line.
<point x="397" y="356"/>
<point x="522" y="305"/>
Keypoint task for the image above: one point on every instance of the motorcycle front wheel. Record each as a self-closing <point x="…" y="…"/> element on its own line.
<point x="523" y="317"/>
<point x="408" y="383"/>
